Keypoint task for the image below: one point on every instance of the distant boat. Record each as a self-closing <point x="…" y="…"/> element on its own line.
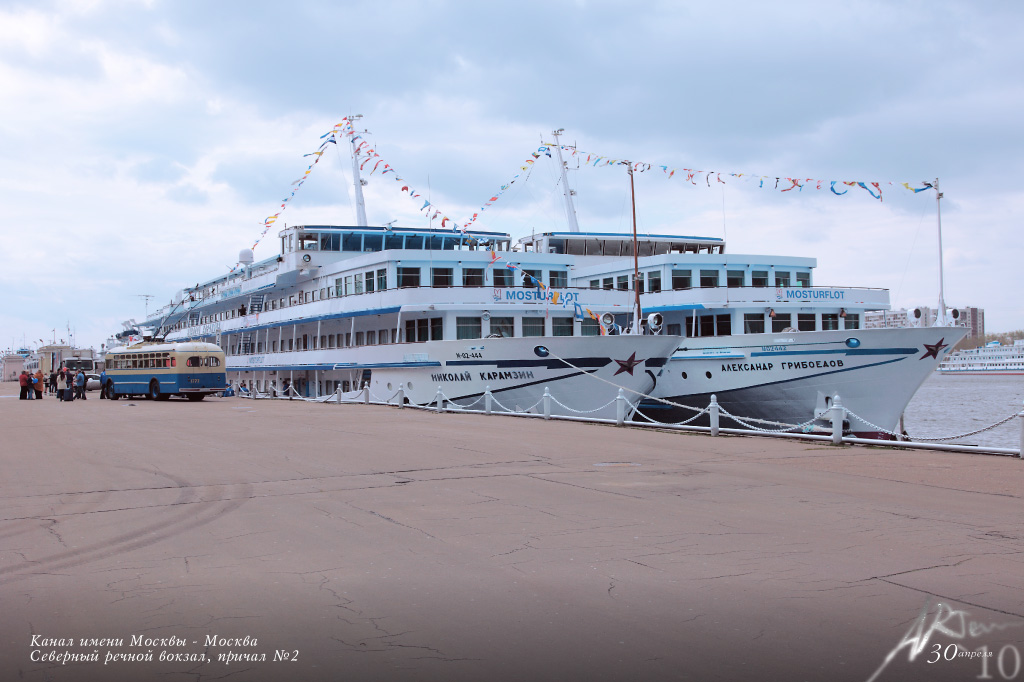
<point x="991" y="359"/>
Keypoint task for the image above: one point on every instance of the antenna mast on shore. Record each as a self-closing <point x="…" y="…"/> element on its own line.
<point x="146" y="298"/>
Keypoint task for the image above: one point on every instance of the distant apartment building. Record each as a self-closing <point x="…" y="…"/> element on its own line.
<point x="972" y="318"/>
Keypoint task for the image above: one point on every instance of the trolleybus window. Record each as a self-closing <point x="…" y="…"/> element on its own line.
<point x="194" y="361"/>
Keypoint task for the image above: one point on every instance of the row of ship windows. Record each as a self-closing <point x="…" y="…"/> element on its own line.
<point x="754" y="323"/>
<point x="302" y="385"/>
<point x="420" y="330"/>
<point x="683" y="279"/>
<point x="432" y="329"/>
<point x="361" y="242"/>
<point x="377" y="280"/>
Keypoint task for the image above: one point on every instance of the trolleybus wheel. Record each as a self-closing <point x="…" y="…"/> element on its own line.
<point x="154" y="390"/>
<point x="111" y="393"/>
<point x="195" y="397"/>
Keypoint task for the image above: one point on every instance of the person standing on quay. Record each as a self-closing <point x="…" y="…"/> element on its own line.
<point x="24" y="383"/>
<point x="69" y="394"/>
<point x="103" y="384"/>
<point x="80" y="385"/>
<point x="53" y="383"/>
<point x="40" y="384"/>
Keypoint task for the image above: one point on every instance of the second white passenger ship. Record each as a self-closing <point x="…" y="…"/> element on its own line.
<point x="992" y="359"/>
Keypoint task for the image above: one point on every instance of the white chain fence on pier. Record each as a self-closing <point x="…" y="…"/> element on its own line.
<point x="934" y="439"/>
<point x="817" y="426"/>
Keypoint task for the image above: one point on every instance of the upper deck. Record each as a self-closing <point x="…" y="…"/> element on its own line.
<point x="368" y="239"/>
<point x="346" y="271"/>
<point x="618" y="244"/>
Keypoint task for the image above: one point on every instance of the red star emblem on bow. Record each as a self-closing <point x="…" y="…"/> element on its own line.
<point x="627" y="365"/>
<point x="932" y="349"/>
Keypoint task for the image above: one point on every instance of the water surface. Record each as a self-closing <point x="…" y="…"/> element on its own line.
<point x="948" y="405"/>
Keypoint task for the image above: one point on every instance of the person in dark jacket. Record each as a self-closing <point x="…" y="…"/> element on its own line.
<point x="23" y="383"/>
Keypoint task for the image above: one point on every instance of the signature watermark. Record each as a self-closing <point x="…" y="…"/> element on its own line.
<point x="955" y="624"/>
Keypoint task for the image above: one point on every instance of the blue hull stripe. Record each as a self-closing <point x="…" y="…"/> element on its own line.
<point x="512" y="388"/>
<point x="840" y="351"/>
<point x="547" y="363"/>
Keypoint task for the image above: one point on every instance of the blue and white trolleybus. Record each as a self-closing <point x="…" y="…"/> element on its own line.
<point x="158" y="370"/>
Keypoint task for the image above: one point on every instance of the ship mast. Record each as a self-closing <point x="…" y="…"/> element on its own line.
<point x="356" y="180"/>
<point x="941" y="321"/>
<point x="570" y="211"/>
<point x="636" y="257"/>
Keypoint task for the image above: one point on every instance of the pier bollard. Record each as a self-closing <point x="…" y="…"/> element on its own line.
<point x="620" y="408"/>
<point x="488" y="399"/>
<point x="366" y="393"/>
<point x="713" y="413"/>
<point x="439" y="399"/>
<point x="337" y="394"/>
<point x="547" y="403"/>
<point x="401" y="396"/>
<point x="838" y="414"/>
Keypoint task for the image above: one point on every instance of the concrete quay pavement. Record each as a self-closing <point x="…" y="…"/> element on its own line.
<point x="361" y="542"/>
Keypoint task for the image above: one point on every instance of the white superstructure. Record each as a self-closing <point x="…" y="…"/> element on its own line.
<point x="418" y="310"/>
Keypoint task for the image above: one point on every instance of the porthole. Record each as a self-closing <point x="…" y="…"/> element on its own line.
<point x="684" y="375"/>
<point x="707" y="374"/>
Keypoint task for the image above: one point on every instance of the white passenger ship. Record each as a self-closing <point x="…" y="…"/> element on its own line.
<point x="418" y="310"/>
<point x="757" y="331"/>
<point x="991" y="359"/>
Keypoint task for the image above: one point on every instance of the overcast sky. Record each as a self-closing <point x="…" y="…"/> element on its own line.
<point x="143" y="144"/>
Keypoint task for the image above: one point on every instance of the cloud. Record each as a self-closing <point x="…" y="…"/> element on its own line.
<point x="145" y="142"/>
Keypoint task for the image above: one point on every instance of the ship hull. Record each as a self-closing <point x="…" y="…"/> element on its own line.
<point x="582" y="374"/>
<point x="791" y="379"/>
